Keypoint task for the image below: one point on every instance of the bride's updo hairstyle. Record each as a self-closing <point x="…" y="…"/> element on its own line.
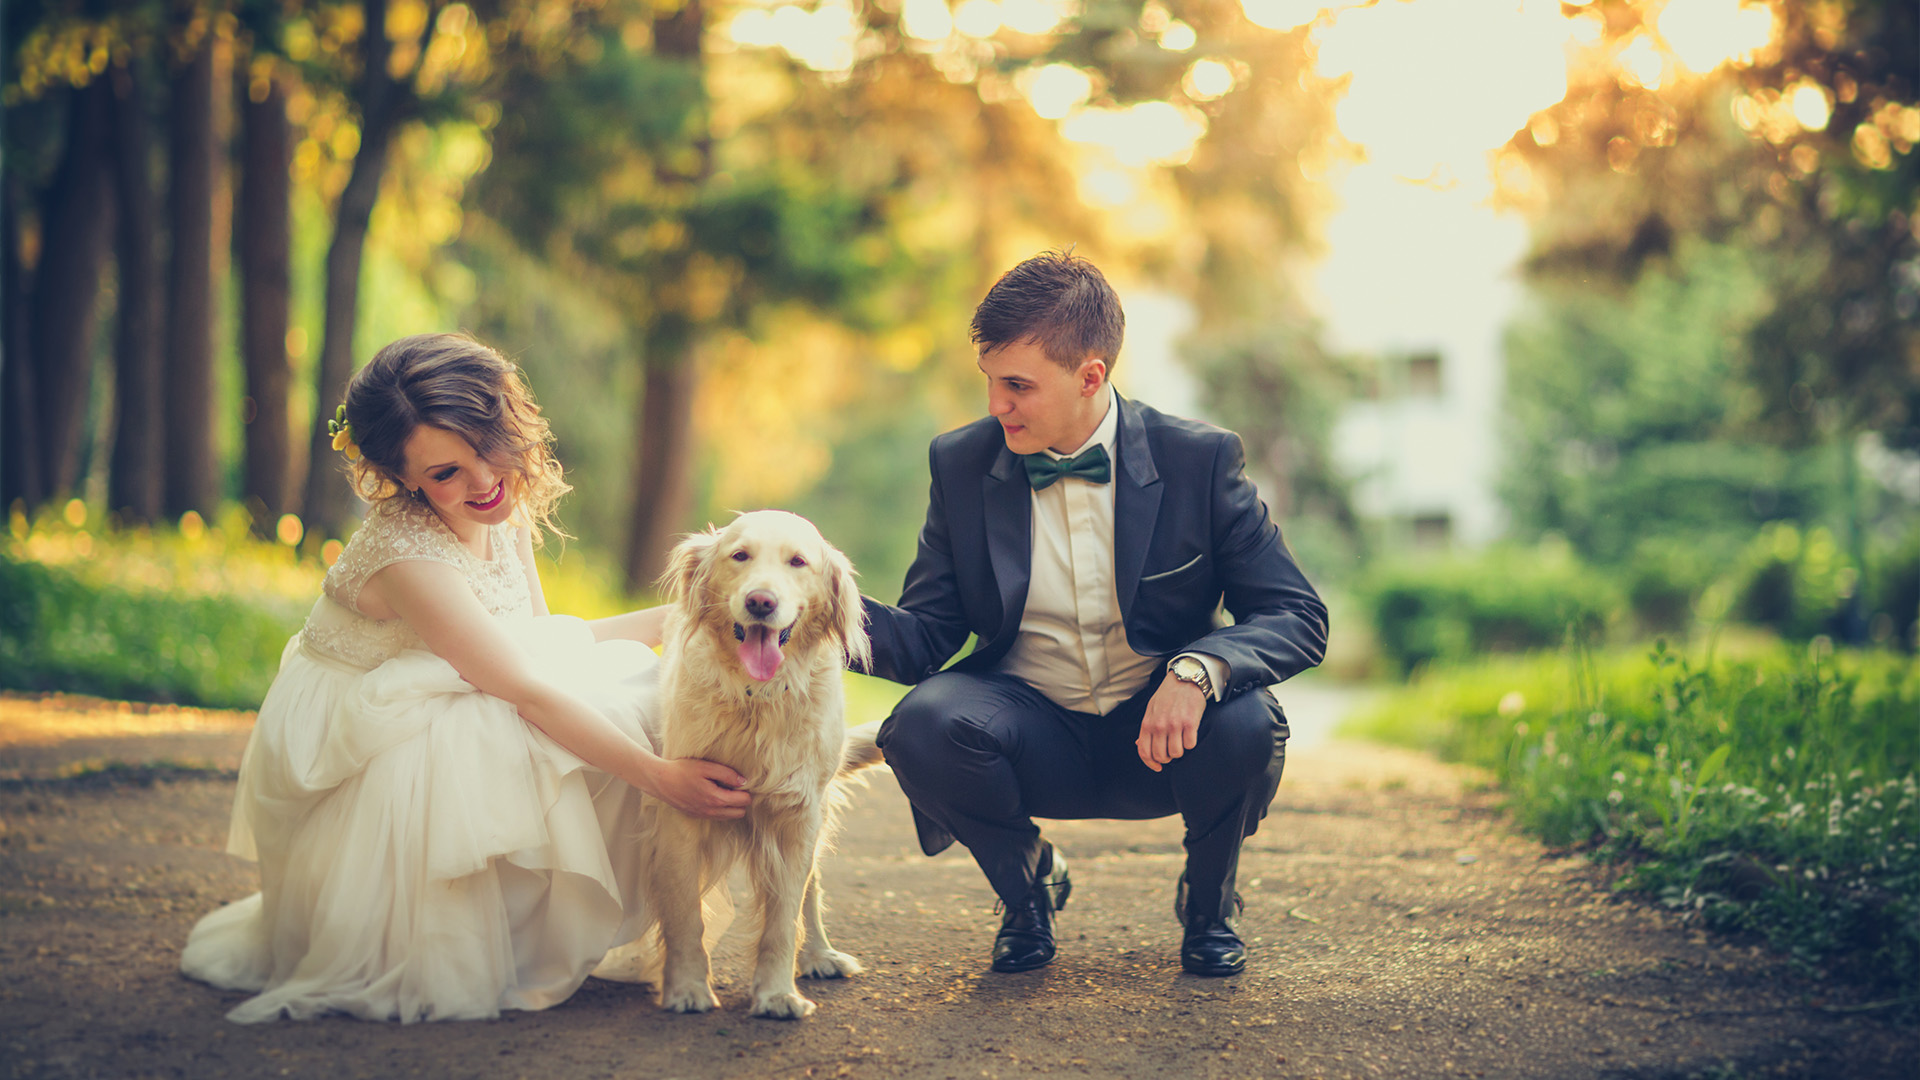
<point x="452" y="382"/>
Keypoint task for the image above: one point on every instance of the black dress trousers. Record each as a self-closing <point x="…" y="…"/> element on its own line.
<point x="980" y="755"/>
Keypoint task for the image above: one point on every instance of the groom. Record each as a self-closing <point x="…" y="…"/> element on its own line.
<point x="1087" y="542"/>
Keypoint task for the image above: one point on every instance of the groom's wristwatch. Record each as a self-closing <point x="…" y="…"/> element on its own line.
<point x="1189" y="670"/>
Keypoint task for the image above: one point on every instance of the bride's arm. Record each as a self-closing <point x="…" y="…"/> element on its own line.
<point x="647" y="625"/>
<point x="437" y="603"/>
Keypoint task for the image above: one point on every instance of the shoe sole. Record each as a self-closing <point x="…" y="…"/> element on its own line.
<point x="1024" y="967"/>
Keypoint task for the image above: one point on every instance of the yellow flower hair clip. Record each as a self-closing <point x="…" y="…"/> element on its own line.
<point x="342" y="433"/>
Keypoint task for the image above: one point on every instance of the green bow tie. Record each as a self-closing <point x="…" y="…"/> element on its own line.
<point x="1090" y="465"/>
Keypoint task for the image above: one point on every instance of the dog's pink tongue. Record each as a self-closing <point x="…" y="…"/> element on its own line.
<point x="760" y="652"/>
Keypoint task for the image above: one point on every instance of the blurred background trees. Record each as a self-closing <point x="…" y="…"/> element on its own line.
<point x="736" y="243"/>
<point x="1723" y="330"/>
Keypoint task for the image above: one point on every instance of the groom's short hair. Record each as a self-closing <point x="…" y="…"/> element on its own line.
<point x="1058" y="300"/>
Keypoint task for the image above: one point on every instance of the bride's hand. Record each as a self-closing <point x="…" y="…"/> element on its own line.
<point x="697" y="788"/>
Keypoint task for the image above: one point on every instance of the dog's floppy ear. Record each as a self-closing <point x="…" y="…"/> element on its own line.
<point x="848" y="620"/>
<point x="687" y="565"/>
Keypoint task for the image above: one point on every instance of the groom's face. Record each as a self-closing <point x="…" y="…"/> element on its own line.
<point x="1040" y="404"/>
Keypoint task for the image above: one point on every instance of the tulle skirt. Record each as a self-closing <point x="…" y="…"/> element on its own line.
<point x="425" y="853"/>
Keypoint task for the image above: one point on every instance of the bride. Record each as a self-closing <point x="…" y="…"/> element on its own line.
<point x="443" y="786"/>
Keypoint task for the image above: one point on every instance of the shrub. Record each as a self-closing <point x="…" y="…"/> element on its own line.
<point x="1802" y="584"/>
<point x="1665" y="579"/>
<point x="1504" y="600"/>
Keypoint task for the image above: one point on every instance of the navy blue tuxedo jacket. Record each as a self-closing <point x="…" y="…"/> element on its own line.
<point x="1190" y="531"/>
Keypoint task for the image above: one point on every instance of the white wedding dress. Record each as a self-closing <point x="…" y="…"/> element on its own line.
<point x="425" y="853"/>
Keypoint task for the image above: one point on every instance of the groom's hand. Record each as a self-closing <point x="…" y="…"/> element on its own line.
<point x="1172" y="723"/>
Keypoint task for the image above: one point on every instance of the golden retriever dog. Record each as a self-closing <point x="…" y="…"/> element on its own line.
<point x="764" y="616"/>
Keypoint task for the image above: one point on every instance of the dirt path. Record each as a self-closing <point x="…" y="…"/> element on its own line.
<point x="1399" y="929"/>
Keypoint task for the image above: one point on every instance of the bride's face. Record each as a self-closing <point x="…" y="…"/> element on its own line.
<point x="466" y="489"/>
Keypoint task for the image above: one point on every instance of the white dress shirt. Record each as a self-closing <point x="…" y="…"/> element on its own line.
<point x="1072" y="645"/>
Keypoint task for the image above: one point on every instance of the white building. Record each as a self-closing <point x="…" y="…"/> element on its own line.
<point x="1421" y="280"/>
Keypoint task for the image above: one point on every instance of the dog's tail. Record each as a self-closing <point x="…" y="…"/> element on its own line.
<point x="861" y="751"/>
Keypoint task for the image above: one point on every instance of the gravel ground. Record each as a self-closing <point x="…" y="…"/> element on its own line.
<point x="1399" y="928"/>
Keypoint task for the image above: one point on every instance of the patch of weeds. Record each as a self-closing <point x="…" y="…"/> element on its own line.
<point x="1773" y="796"/>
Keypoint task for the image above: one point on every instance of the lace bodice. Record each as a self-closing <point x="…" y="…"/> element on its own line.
<point x="398" y="530"/>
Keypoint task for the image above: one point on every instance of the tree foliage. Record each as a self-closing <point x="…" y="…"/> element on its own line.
<point x="1802" y="160"/>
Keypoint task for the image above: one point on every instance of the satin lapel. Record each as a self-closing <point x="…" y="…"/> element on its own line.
<point x="1136" y="504"/>
<point x="1007" y="501"/>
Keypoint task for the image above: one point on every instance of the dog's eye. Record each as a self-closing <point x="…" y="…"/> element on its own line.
<point x="741" y="556"/>
<point x="796" y="561"/>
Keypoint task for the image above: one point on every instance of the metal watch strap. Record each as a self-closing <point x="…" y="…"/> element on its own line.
<point x="1198" y="677"/>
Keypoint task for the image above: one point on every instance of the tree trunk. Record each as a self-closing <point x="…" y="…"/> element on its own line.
<point x="383" y="103"/>
<point x="76" y="233"/>
<point x="663" y="462"/>
<point x="135" y="484"/>
<point x="265" y="255"/>
<point x="19" y="433"/>
<point x="191" y="480"/>
<point x="663" y="466"/>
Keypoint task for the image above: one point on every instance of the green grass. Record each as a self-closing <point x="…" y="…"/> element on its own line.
<point x="1773" y="794"/>
<point x="196" y="615"/>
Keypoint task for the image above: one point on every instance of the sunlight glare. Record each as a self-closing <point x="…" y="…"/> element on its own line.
<point x="978" y="18"/>
<point x="1109" y="187"/>
<point x="822" y="39"/>
<point x="1151" y="132"/>
<point x="1422" y="101"/>
<point x="927" y="20"/>
<point x="1282" y="14"/>
<point x="1031" y="16"/>
<point x="1704" y="34"/>
<point x="1056" y="89"/>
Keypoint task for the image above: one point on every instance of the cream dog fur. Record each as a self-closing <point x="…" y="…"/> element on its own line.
<point x="764" y="615"/>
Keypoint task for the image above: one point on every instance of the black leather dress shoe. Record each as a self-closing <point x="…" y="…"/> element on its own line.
<point x="1025" y="940"/>
<point x="1212" y="948"/>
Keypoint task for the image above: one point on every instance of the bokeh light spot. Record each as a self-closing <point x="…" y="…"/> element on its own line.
<point x="1641" y="62"/>
<point x="1207" y="80"/>
<point x="1056" y="89"/>
<point x="978" y="18"/>
<point x="1810" y="105"/>
<point x="928" y="20"/>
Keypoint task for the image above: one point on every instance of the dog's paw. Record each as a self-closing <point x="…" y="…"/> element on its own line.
<point x="783" y="1006"/>
<point x="696" y="998"/>
<point x="829" y="964"/>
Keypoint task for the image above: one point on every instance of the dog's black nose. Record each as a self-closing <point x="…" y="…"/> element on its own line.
<point x="761" y="603"/>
